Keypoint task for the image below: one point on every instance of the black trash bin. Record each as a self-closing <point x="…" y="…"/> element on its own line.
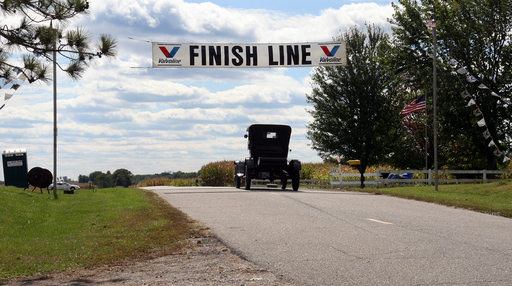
<point x="15" y="167"/>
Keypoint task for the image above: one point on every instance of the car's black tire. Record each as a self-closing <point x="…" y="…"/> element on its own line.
<point x="72" y="189"/>
<point x="295" y="180"/>
<point x="247" y="178"/>
<point x="284" y="181"/>
<point x="237" y="182"/>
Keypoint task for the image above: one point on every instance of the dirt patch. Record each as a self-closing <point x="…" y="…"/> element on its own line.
<point x="204" y="261"/>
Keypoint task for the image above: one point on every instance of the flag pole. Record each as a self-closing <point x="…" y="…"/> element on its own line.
<point x="436" y="180"/>
<point x="426" y="134"/>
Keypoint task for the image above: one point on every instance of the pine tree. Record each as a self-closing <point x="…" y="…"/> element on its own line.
<point x="33" y="29"/>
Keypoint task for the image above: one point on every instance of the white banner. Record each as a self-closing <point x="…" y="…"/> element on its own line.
<point x="214" y="55"/>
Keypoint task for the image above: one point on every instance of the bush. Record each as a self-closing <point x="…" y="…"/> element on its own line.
<point x="150" y="182"/>
<point x="217" y="174"/>
<point x="307" y="171"/>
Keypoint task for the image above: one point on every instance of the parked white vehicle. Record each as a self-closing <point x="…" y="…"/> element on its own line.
<point x="66" y="187"/>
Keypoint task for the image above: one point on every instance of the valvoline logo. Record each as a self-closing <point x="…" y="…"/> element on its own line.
<point x="169" y="59"/>
<point x="330" y="53"/>
<point x="168" y="54"/>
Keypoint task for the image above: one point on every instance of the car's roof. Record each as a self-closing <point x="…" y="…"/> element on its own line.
<point x="269" y="127"/>
<point x="269" y="134"/>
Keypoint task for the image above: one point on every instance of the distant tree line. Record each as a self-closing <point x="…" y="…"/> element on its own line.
<point x="121" y="177"/>
<point x="170" y="175"/>
<point x="125" y="178"/>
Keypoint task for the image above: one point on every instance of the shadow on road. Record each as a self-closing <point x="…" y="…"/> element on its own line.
<point x="199" y="190"/>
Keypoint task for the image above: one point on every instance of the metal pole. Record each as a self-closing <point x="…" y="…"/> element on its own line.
<point x="54" y="117"/>
<point x="435" y="109"/>
<point x="426" y="132"/>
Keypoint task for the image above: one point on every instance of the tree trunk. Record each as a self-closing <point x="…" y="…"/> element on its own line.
<point x="362" y="181"/>
<point x="362" y="169"/>
<point x="491" y="164"/>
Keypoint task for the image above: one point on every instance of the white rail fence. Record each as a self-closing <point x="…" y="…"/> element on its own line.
<point x="379" y="178"/>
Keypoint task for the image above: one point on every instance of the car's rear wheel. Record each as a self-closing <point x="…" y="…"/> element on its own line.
<point x="237" y="182"/>
<point x="295" y="180"/>
<point x="247" y="178"/>
<point x="284" y="181"/>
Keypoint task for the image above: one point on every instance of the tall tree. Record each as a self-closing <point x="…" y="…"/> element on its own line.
<point x="122" y="177"/>
<point x="415" y="148"/>
<point x="83" y="179"/>
<point x="93" y="175"/>
<point x="104" y="180"/>
<point x="354" y="113"/>
<point x="478" y="35"/>
<point x="36" y="29"/>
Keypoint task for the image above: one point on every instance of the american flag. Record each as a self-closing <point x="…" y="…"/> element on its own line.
<point x="416" y="105"/>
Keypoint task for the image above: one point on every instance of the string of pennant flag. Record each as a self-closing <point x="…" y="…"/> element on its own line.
<point x="478" y="112"/>
<point x="420" y="104"/>
<point x="11" y="84"/>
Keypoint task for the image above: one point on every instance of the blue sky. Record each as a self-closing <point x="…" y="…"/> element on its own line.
<point x="122" y="114"/>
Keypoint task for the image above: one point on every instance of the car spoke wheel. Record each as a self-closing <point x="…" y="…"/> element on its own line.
<point x="284" y="181"/>
<point x="237" y="182"/>
<point x="247" y="178"/>
<point x="295" y="180"/>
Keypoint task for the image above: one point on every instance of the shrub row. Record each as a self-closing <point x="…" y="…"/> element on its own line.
<point x="169" y="182"/>
<point x="222" y="173"/>
<point x="219" y="173"/>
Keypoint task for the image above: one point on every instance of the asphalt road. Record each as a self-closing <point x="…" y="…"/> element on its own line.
<point x="320" y="237"/>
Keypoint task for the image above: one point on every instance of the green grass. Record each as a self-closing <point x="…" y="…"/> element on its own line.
<point x="40" y="234"/>
<point x="492" y="198"/>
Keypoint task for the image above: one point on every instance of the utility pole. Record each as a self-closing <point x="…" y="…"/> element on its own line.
<point x="54" y="116"/>
<point x="426" y="134"/>
<point x="432" y="24"/>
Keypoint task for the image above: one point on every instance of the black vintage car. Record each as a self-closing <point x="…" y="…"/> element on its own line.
<point x="268" y="148"/>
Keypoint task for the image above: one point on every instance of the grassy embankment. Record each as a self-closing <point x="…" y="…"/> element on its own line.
<point x="492" y="198"/>
<point x="40" y="234"/>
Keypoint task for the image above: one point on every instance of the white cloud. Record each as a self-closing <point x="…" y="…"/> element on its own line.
<point x="120" y="115"/>
<point x="184" y="22"/>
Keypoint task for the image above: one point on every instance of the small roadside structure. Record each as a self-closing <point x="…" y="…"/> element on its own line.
<point x="15" y="167"/>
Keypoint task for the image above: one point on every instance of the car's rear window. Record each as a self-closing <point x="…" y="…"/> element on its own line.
<point x="271" y="135"/>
